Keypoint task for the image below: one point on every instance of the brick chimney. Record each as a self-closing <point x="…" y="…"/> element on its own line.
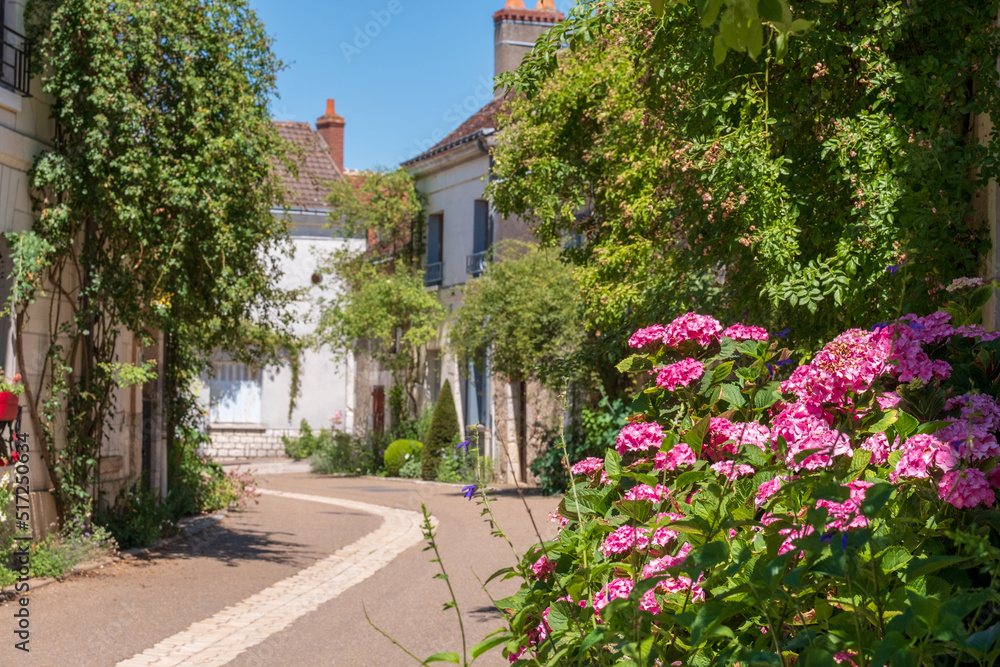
<point x="516" y="29"/>
<point x="330" y="126"/>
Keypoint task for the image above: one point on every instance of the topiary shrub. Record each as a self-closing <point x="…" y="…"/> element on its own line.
<point x="443" y="428"/>
<point x="398" y="453"/>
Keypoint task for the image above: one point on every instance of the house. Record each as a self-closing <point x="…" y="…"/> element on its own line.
<point x="461" y="229"/>
<point x="248" y="408"/>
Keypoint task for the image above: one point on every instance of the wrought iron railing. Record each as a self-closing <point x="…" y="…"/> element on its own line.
<point x="433" y="274"/>
<point x="15" y="61"/>
<point x="476" y="263"/>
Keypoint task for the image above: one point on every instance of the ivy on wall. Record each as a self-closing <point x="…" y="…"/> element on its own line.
<point x="152" y="212"/>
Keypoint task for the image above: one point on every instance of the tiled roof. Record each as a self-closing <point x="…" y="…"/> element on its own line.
<point x="316" y="167"/>
<point x="485" y="118"/>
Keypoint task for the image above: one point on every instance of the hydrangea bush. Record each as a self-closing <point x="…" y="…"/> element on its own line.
<point x="759" y="511"/>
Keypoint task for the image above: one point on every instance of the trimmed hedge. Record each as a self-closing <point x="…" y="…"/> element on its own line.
<point x="441" y="432"/>
<point x="396" y="454"/>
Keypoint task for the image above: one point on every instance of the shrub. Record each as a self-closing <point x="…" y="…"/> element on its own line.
<point x="342" y="452"/>
<point x="398" y="453"/>
<point x="838" y="513"/>
<point x="443" y="428"/>
<point x="412" y="469"/>
<point x="136" y="517"/>
<point x="303" y="446"/>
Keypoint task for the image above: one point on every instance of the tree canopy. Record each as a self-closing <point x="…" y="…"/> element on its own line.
<point x="777" y="190"/>
<point x="153" y="207"/>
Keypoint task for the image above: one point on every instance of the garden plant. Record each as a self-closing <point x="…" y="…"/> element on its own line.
<point x="756" y="511"/>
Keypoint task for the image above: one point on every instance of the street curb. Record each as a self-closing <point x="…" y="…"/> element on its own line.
<point x="187" y="526"/>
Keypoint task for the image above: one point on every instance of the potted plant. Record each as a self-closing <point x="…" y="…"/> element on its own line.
<point x="10" y="389"/>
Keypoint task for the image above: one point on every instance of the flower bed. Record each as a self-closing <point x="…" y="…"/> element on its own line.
<point x="758" y="513"/>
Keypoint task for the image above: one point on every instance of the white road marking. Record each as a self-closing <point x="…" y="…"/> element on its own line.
<point x="219" y="639"/>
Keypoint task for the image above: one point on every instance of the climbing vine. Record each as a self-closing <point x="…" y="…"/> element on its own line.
<point x="152" y="214"/>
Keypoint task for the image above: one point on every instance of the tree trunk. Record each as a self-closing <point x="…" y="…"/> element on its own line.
<point x="522" y="428"/>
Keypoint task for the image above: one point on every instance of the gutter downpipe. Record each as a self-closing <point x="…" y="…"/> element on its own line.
<point x="488" y="370"/>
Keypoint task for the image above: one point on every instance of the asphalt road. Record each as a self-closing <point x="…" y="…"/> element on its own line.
<point x="120" y="611"/>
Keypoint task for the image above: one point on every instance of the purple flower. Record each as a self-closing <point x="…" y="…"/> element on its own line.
<point x="468" y="491"/>
<point x="892" y="268"/>
<point x="879" y="326"/>
<point x="783" y="333"/>
<point x="463" y="444"/>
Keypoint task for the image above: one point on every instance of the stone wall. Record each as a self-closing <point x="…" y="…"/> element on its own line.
<point x="229" y="444"/>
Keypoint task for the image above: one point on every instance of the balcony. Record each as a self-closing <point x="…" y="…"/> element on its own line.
<point x="476" y="263"/>
<point x="15" y="60"/>
<point x="433" y="274"/>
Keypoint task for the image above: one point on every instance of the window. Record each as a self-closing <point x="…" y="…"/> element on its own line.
<point x="433" y="271"/>
<point x="15" y="60"/>
<point x="482" y="231"/>
<point x="235" y="394"/>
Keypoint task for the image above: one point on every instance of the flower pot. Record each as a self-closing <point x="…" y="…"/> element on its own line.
<point x="8" y="406"/>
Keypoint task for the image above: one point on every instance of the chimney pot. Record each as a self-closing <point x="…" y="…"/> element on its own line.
<point x="514" y="4"/>
<point x="330" y="126"/>
<point x="546" y="6"/>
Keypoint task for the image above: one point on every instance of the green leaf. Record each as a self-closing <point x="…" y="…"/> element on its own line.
<point x="696" y="435"/>
<point x="875" y="498"/>
<point x="709" y="10"/>
<point x="722" y="371"/>
<point x="801" y="25"/>
<point x="612" y="462"/>
<point x="444" y="657"/>
<point x="719" y="50"/>
<point x="931" y="564"/>
<point x="894" y="558"/>
<point x="887" y="418"/>
<point x="487" y="644"/>
<point x="906" y="424"/>
<point x="637" y="362"/>
<point x="732" y="393"/>
<point x="769" y="10"/>
<point x="658" y="6"/>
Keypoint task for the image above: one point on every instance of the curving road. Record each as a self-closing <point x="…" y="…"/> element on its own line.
<point x="287" y="583"/>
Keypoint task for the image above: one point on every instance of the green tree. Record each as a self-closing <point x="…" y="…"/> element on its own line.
<point x="524" y="309"/>
<point x="441" y="432"/>
<point x="776" y="191"/>
<point x="381" y="306"/>
<point x="152" y="211"/>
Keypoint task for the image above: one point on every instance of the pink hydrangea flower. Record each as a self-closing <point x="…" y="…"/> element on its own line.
<point x="921" y="452"/>
<point x="848" y="363"/>
<point x="626" y="538"/>
<point x="879" y="446"/>
<point x="732" y="470"/>
<point x="844" y="656"/>
<point x="804" y="427"/>
<point x="887" y="400"/>
<point x="700" y="329"/>
<point x="791" y="535"/>
<point x="970" y="440"/>
<point x="543" y="568"/>
<point x="909" y="357"/>
<point x="613" y="590"/>
<point x="646" y="492"/>
<point x="648" y="337"/>
<point x="681" y="585"/>
<point x="680" y="455"/>
<point x="680" y="374"/>
<point x="741" y="332"/>
<point x="662" y="563"/>
<point x="587" y="466"/>
<point x="639" y="437"/>
<point x="768" y="489"/>
<point x="725" y="437"/>
<point x="966" y="488"/>
<point x="847" y="515"/>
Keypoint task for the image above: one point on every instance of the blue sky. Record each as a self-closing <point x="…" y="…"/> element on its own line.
<point x="428" y="66"/>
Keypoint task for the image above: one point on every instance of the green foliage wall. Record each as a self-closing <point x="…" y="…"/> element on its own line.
<point x="152" y="209"/>
<point x="775" y="190"/>
<point x="441" y="432"/>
